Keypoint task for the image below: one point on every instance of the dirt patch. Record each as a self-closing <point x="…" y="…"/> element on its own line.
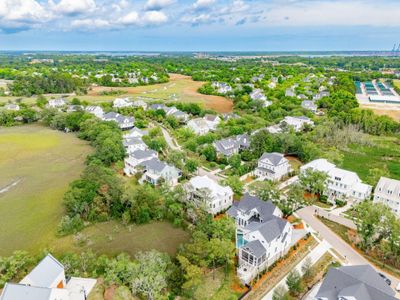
<point x="390" y="111"/>
<point x="179" y="88"/>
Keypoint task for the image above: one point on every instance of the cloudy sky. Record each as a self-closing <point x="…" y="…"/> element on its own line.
<point x="199" y="25"/>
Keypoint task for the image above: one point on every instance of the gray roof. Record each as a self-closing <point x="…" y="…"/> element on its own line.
<point x="140" y="154"/>
<point x="13" y="291"/>
<point x="133" y="141"/>
<point x="247" y="203"/>
<point x="120" y="119"/>
<point x="154" y="164"/>
<point x="158" y="107"/>
<point x="270" y="230"/>
<point x="274" y="157"/>
<point x="255" y="247"/>
<point x="110" y="115"/>
<point x="225" y="146"/>
<point x="360" y="282"/>
<point x="45" y="272"/>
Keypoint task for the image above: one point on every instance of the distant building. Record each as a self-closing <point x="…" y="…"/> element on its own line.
<point x="297" y="123"/>
<point x="12" y="106"/>
<point x="212" y="121"/>
<point x="122" y="102"/>
<point x="387" y="192"/>
<point x="95" y="110"/>
<point x="199" y="126"/>
<point x="123" y="122"/>
<point x="56" y="103"/>
<point x="47" y="281"/>
<point x="290" y="93"/>
<point x="135" y="133"/>
<point x="309" y="105"/>
<point x="354" y="283"/>
<point x="136" y="158"/>
<point x="272" y="166"/>
<point x="140" y="103"/>
<point x="232" y="145"/>
<point x="215" y="198"/>
<point x="222" y="87"/>
<point x="134" y="144"/>
<point x="156" y="171"/>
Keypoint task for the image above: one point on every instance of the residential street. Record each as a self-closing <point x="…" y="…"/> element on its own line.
<point x="351" y="255"/>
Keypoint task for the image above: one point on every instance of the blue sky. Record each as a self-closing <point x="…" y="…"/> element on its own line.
<point x="199" y="25"/>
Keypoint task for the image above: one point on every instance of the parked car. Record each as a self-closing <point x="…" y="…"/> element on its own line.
<point x="387" y="280"/>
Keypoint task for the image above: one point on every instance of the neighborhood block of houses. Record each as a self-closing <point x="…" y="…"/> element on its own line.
<point x="47" y="281"/>
<point x="262" y="236"/>
<point x="203" y="191"/>
<point x="341" y="184"/>
<point x="296" y="123"/>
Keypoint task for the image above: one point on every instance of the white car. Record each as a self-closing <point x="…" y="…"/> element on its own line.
<point x="398" y="287"/>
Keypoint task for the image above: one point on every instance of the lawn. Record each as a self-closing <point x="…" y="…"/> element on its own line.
<point x="113" y="238"/>
<point x="180" y="88"/>
<point x="385" y="153"/>
<point x="36" y="166"/>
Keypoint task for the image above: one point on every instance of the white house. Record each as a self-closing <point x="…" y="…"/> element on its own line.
<point x="140" y="103"/>
<point x="55" y="103"/>
<point x="136" y="158"/>
<point x="199" y="126"/>
<point x="341" y="184"/>
<point x="122" y="102"/>
<point x="309" y="105"/>
<point x="387" y="191"/>
<point x="47" y="281"/>
<point x="232" y="145"/>
<point x="297" y="122"/>
<point x="135" y="133"/>
<point x="202" y="190"/>
<point x="123" y="122"/>
<point x="133" y="144"/>
<point x="156" y="170"/>
<point x="272" y="166"/>
<point x="262" y="236"/>
<point x="258" y="94"/>
<point x="212" y="121"/>
<point x="95" y="110"/>
<point x="290" y="92"/>
<point x="12" y="106"/>
<point x="222" y="87"/>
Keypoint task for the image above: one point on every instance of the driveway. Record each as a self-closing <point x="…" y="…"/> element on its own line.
<point x="351" y="255"/>
<point x="170" y="140"/>
<point x="211" y="174"/>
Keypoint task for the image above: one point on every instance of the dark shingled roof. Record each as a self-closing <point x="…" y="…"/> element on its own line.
<point x="255" y="247"/>
<point x="247" y="203"/>
<point x="274" y="157"/>
<point x="360" y="282"/>
<point x="270" y="229"/>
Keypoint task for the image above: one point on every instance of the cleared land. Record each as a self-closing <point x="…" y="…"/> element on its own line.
<point x="391" y="110"/>
<point x="113" y="238"/>
<point x="36" y="166"/>
<point x="180" y="88"/>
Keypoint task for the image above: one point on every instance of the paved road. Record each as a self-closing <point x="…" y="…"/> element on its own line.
<point x="210" y="174"/>
<point x="351" y="255"/>
<point x="170" y="140"/>
<point x="314" y="256"/>
<point x="333" y="217"/>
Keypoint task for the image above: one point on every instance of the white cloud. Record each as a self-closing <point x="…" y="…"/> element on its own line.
<point x="158" y="4"/>
<point x="73" y="7"/>
<point x="154" y="18"/>
<point x="16" y="15"/>
<point x="90" y="23"/>
<point x="203" y="4"/>
<point x="130" y="19"/>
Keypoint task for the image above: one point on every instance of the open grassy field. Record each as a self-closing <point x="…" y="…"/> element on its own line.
<point x="397" y="82"/>
<point x="179" y="88"/>
<point x="36" y="166"/>
<point x="113" y="238"/>
<point x="385" y="153"/>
